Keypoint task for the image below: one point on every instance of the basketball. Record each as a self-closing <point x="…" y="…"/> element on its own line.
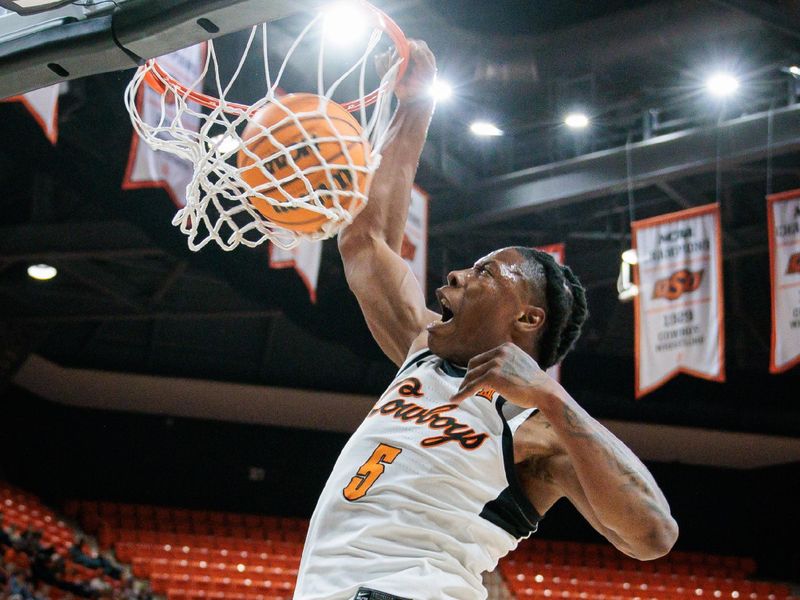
<point x="290" y="144"/>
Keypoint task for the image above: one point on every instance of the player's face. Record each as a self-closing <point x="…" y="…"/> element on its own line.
<point x="480" y="307"/>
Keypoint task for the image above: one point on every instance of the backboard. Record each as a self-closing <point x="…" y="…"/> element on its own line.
<point x="100" y="36"/>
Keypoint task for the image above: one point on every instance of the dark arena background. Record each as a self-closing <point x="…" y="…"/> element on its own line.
<point x="180" y="412"/>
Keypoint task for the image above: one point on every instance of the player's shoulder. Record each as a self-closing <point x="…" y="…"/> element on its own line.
<point x="535" y="438"/>
<point x="419" y="344"/>
<point x="417" y="355"/>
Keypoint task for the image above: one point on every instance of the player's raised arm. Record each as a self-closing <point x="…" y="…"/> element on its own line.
<point x="387" y="291"/>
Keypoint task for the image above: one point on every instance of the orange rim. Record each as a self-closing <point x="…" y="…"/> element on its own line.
<point x="160" y="80"/>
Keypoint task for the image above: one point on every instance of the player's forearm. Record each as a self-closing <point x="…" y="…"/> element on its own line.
<point x="385" y="215"/>
<point x="622" y="492"/>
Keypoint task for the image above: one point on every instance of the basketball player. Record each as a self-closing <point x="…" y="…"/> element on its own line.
<point x="472" y="442"/>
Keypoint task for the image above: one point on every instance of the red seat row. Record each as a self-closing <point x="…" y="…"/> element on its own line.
<point x="138" y="516"/>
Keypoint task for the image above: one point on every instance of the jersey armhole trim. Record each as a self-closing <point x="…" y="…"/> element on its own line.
<point x="414" y="360"/>
<point x="523" y="503"/>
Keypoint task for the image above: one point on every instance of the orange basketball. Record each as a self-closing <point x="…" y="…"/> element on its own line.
<point x="288" y="134"/>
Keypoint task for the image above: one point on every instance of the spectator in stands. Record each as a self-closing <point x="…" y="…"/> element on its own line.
<point x="17" y="587"/>
<point x="30" y="569"/>
<point x="5" y="538"/>
<point x="15" y="536"/>
<point x="30" y="541"/>
<point x="93" y="560"/>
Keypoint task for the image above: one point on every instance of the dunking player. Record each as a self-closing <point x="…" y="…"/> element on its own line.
<point x="472" y="442"/>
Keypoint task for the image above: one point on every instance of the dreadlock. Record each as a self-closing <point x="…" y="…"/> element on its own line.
<point x="565" y="303"/>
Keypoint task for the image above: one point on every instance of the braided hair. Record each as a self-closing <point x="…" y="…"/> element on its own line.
<point x="564" y="300"/>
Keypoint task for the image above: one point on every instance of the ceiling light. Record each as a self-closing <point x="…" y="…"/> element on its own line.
<point x="441" y="90"/>
<point x="626" y="289"/>
<point x="224" y="143"/>
<point x="576" y="120"/>
<point x="42" y="272"/>
<point x="722" y="85"/>
<point x="344" y="23"/>
<point x="794" y="70"/>
<point x="484" y="128"/>
<point x="628" y="293"/>
<point x="630" y="257"/>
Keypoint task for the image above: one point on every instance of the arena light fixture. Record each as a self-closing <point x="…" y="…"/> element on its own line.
<point x="485" y="129"/>
<point x="722" y="84"/>
<point x="794" y="70"/>
<point x="441" y="90"/>
<point x="42" y="272"/>
<point x="626" y="289"/>
<point x="344" y="23"/>
<point x="628" y="293"/>
<point x="576" y="120"/>
<point x="630" y="257"/>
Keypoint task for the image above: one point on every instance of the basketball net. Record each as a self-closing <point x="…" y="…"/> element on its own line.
<point x="218" y="206"/>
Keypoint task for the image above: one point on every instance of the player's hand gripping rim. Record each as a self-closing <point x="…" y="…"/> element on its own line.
<point x="511" y="372"/>
<point x="420" y="75"/>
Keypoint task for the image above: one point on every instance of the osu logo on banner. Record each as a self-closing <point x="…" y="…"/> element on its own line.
<point x="408" y="250"/>
<point x="676" y="285"/>
<point x="794" y="264"/>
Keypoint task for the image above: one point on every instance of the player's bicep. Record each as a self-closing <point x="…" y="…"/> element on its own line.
<point x="389" y="295"/>
<point x="567" y="480"/>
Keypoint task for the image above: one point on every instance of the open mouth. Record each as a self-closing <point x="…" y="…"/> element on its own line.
<point x="444" y="303"/>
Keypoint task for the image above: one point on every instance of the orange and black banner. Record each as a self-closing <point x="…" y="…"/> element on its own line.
<point x="149" y="168"/>
<point x="43" y="106"/>
<point x="783" y="218"/>
<point x="679" y="310"/>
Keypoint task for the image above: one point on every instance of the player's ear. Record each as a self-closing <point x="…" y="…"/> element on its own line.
<point x="531" y="319"/>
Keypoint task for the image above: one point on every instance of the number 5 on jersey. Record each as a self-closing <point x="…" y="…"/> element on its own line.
<point x="368" y="473"/>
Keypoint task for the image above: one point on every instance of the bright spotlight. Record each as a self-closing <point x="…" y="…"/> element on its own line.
<point x="441" y="90"/>
<point x="42" y="272"/>
<point x="576" y="120"/>
<point x="225" y="143"/>
<point x="486" y="129"/>
<point x="630" y="257"/>
<point x="344" y="23"/>
<point x="794" y="70"/>
<point x="722" y="85"/>
<point x="628" y="293"/>
<point x="626" y="289"/>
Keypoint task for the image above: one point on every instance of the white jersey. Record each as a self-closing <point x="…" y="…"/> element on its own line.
<point x="423" y="498"/>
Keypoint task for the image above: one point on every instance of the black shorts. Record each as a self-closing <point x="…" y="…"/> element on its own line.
<point x="368" y="594"/>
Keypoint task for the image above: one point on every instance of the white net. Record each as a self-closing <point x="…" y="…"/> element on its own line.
<point x="222" y="205"/>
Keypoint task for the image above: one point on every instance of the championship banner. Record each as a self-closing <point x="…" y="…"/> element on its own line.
<point x="43" y="103"/>
<point x="43" y="106"/>
<point x="557" y="252"/>
<point x="679" y="309"/>
<point x="783" y="217"/>
<point x="415" y="238"/>
<point x="305" y="258"/>
<point x="148" y="168"/>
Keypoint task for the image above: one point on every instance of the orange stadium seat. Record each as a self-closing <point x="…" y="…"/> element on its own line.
<point x="193" y="554"/>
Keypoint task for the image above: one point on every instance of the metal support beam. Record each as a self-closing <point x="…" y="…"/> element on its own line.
<point x="168" y="283"/>
<point x="674" y="194"/>
<point x="147" y="316"/>
<point x="767" y="12"/>
<point x="453" y="172"/>
<point x="100" y="281"/>
<point x="659" y="159"/>
<point x="120" y="38"/>
<point x="74" y="241"/>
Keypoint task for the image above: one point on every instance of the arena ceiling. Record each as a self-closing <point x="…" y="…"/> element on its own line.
<point x="131" y="298"/>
